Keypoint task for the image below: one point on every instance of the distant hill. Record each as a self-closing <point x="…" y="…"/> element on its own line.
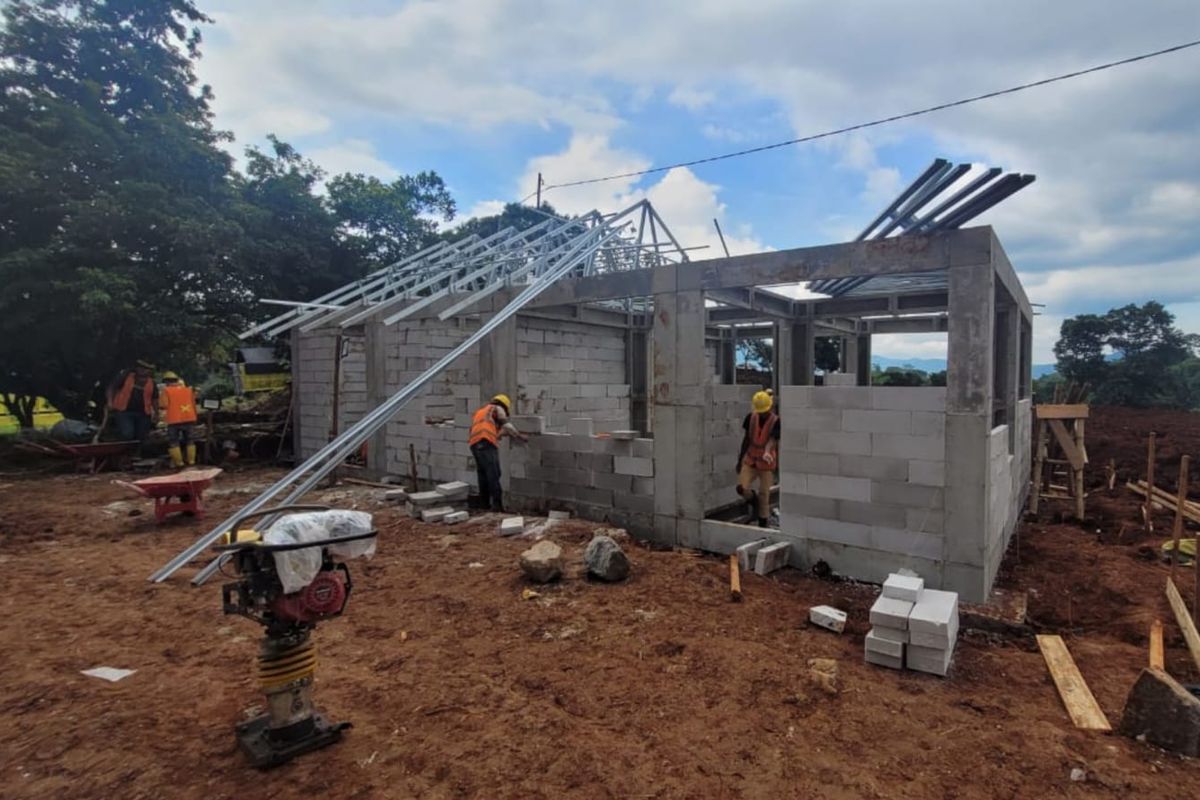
<point x="939" y="364"/>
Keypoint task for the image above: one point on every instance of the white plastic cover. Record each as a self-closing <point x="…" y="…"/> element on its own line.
<point x="297" y="568"/>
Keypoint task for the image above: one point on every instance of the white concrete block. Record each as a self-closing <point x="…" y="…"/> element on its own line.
<point x="877" y="421"/>
<point x="936" y="613"/>
<point x="747" y="552"/>
<point x="559" y="515"/>
<point x="511" y="526"/>
<point x="891" y="634"/>
<point x="943" y="640"/>
<point x="771" y="558"/>
<point x="580" y="426"/>
<point x="882" y="645"/>
<point x="456" y="517"/>
<point x="928" y="423"/>
<point x="928" y="659"/>
<point x="881" y="660"/>
<point x="396" y="495"/>
<point x="841" y="379"/>
<point x="891" y="613"/>
<point x="624" y="436"/>
<point x="838" y="443"/>
<point x="909" y="398"/>
<point x="892" y="445"/>
<point x="828" y="617"/>
<point x="838" y="488"/>
<point x="425" y="499"/>
<point x="455" y="490"/>
<point x="902" y="587"/>
<point x="436" y="514"/>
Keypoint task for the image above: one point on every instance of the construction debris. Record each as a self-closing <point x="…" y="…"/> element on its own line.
<point x="456" y="517"/>
<point x="747" y="553"/>
<point x="511" y="526"/>
<point x="457" y="491"/>
<point x="823" y="673"/>
<point x="396" y="495"/>
<point x="542" y="563"/>
<point x="110" y="674"/>
<point x="436" y="514"/>
<point x="605" y="559"/>
<point x="772" y="557"/>
<point x="828" y="617"/>
<point x="1081" y="705"/>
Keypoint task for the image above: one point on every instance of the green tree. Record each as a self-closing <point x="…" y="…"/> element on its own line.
<point x="827" y="353"/>
<point x="1126" y="355"/>
<point x="515" y="215"/>
<point x="115" y="237"/>
<point x="385" y="222"/>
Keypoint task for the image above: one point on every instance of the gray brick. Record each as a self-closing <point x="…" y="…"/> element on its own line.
<point x="898" y="422"/>
<point x="906" y="398"/>
<point x="794" y="482"/>
<point x="906" y="494"/>
<point x="928" y="423"/>
<point x="829" y="530"/>
<point x="643" y="486"/>
<point x="643" y="448"/>
<point x="635" y="503"/>
<point x="814" y="419"/>
<point x="910" y="543"/>
<point x="880" y="469"/>
<point x="808" y="506"/>
<point x="856" y="444"/>
<point x="615" y="483"/>
<point x="772" y="557"/>
<point x="812" y="463"/>
<point x="839" y="488"/>
<point x="628" y="465"/>
<point x="841" y="397"/>
<point x="927" y="473"/>
<point x="865" y="513"/>
<point x="925" y="520"/>
<point x="564" y="459"/>
<point x="889" y="445"/>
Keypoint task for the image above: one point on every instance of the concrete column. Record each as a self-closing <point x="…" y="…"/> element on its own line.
<point x="864" y="360"/>
<point x="803" y="355"/>
<point x="728" y="359"/>
<point x="850" y="355"/>
<point x="680" y="394"/>
<point x="785" y="367"/>
<point x="297" y="396"/>
<point x="970" y="328"/>
<point x="498" y="363"/>
<point x="638" y="340"/>
<point x="377" y="393"/>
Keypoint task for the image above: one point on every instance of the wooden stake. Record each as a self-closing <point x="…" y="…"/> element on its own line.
<point x="1157" y="659"/>
<point x="1150" y="482"/>
<point x="1039" y="460"/>
<point x="1077" y="472"/>
<point x="1190" y="635"/>
<point x="1180" y="505"/>
<point x="735" y="579"/>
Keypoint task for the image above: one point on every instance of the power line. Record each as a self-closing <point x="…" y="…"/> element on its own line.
<point x="874" y="123"/>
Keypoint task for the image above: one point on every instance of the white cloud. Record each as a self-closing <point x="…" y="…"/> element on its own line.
<point x="909" y="345"/>
<point x="690" y="98"/>
<point x="484" y="208"/>
<point x="352" y="155"/>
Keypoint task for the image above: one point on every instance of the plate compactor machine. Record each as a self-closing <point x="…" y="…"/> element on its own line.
<point x="287" y="580"/>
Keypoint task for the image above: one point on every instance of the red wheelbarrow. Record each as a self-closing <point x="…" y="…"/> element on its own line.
<point x="182" y="491"/>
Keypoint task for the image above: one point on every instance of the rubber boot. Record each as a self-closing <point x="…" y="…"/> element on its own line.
<point x="191" y="455"/>
<point x="176" y="456"/>
<point x="762" y="522"/>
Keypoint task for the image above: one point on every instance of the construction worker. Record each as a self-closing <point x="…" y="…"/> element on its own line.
<point x="758" y="456"/>
<point x="178" y="404"/>
<point x="489" y="424"/>
<point x="133" y="400"/>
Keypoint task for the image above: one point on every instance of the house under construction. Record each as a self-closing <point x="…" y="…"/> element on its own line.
<point x="603" y="324"/>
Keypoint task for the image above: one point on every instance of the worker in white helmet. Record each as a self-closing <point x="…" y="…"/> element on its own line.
<point x="758" y="456"/>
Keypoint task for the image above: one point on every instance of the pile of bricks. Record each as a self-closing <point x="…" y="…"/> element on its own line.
<point x="912" y="627"/>
<point x="446" y="503"/>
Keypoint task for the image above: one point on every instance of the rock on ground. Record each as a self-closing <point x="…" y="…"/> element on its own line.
<point x="543" y="562"/>
<point x="605" y="559"/>
<point x="1161" y="711"/>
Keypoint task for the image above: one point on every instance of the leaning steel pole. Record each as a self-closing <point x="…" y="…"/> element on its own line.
<point x="327" y="458"/>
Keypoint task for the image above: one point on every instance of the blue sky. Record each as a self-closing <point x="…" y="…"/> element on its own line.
<point x="487" y="93"/>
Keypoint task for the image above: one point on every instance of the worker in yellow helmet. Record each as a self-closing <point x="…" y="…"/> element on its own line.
<point x="758" y="456"/>
<point x="488" y="426"/>
<point x="177" y="402"/>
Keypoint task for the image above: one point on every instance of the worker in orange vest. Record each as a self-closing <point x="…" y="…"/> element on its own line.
<point x="758" y="457"/>
<point x="489" y="424"/>
<point x="133" y="400"/>
<point x="178" y="404"/>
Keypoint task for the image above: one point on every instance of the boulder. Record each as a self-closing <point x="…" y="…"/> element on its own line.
<point x="543" y="562"/>
<point x="605" y="559"/>
<point x="1160" y="711"/>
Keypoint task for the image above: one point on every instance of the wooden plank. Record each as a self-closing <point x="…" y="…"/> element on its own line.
<point x="1190" y="635"/>
<point x="1157" y="659"/>
<point x="735" y="579"/>
<point x="1073" y="411"/>
<point x="1180" y="508"/>
<point x="1066" y="443"/>
<point x="1076" y="696"/>
<point x="1150" y="482"/>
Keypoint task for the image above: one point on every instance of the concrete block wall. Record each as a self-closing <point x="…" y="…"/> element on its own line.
<point x="595" y="477"/>
<point x="569" y="369"/>
<point x="313" y="369"/>
<point x="726" y="407"/>
<point x="863" y="479"/>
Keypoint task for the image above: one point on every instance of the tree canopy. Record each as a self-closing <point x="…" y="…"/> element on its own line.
<point x="125" y="230"/>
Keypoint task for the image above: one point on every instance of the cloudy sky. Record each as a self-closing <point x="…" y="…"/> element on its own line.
<point x="488" y="93"/>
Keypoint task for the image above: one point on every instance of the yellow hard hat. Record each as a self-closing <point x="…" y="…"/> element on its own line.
<point x="170" y="376"/>
<point x="761" y="402"/>
<point x="503" y="400"/>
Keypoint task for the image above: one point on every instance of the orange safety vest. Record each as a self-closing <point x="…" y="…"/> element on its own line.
<point x="179" y="404"/>
<point x="760" y="434"/>
<point x="120" y="400"/>
<point x="483" y="427"/>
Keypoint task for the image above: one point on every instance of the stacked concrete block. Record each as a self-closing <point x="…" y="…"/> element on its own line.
<point x="840" y="379"/>
<point x="569" y="370"/>
<point x="727" y="405"/>
<point x="912" y="626"/>
<point x="455" y="491"/>
<point x="933" y="632"/>
<point x="862" y="477"/>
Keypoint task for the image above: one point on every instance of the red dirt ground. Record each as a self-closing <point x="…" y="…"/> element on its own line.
<point x="658" y="687"/>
